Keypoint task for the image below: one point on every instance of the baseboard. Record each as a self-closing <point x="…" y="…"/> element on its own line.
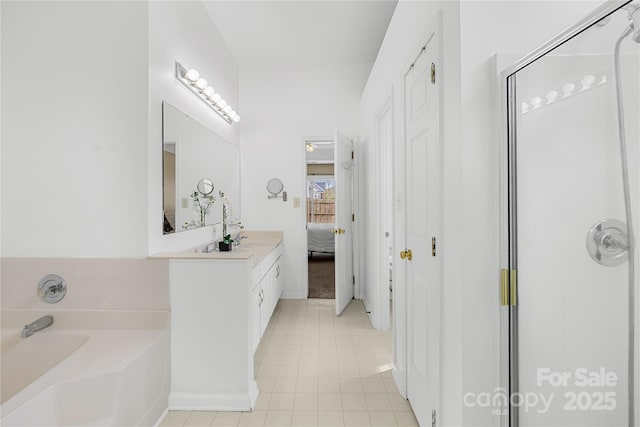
<point x="213" y="401"/>
<point x="399" y="378"/>
<point x="159" y="420"/>
<point x="292" y="296"/>
<point x="253" y="394"/>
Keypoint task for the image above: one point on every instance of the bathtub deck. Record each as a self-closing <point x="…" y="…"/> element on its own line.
<point x="105" y="352"/>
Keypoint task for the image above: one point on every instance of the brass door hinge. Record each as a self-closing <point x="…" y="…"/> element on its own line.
<point x="433" y="73"/>
<point x="514" y="287"/>
<point x="353" y="217"/>
<point x="353" y="280"/>
<point x="508" y="287"/>
<point x="353" y="156"/>
<point x="408" y="254"/>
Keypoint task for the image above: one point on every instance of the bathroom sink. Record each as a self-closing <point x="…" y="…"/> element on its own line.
<point x="252" y="244"/>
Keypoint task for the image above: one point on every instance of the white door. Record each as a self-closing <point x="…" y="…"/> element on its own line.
<point x="423" y="181"/>
<point x="343" y="149"/>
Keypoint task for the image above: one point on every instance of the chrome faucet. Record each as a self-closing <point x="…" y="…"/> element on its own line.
<point x="41" y="323"/>
<point x="239" y="237"/>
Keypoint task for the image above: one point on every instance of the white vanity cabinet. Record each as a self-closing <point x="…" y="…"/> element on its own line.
<point x="267" y="279"/>
<point x="220" y="305"/>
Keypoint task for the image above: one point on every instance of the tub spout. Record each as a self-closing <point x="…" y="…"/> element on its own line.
<point x="41" y="323"/>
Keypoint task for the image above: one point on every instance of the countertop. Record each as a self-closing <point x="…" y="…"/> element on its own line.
<point x="258" y="245"/>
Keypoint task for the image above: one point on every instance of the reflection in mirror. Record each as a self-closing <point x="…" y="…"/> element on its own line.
<point x="205" y="186"/>
<point x="192" y="151"/>
<point x="203" y="200"/>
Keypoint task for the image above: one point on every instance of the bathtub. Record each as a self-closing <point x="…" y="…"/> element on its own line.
<point x="106" y="374"/>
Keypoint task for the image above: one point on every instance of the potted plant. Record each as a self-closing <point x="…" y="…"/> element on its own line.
<point x="225" y="244"/>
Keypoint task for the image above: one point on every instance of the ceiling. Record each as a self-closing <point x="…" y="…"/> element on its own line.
<point x="322" y="152"/>
<point x="302" y="32"/>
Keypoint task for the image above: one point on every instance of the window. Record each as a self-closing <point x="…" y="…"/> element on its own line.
<point x="321" y="196"/>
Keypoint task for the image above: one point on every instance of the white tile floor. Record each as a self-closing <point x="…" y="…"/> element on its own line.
<point x="316" y="369"/>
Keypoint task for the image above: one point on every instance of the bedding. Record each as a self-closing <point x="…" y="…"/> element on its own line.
<point x="320" y="238"/>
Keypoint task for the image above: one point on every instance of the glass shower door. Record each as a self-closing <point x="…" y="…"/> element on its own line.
<point x="569" y="243"/>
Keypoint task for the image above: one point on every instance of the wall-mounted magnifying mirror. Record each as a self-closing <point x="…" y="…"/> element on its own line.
<point x="275" y="187"/>
<point x="205" y="186"/>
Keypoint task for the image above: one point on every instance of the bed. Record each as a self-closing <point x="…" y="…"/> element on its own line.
<point x="320" y="238"/>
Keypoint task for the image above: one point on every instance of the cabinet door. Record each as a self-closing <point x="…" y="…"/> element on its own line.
<point x="256" y="305"/>
<point x="265" y="309"/>
<point x="278" y="285"/>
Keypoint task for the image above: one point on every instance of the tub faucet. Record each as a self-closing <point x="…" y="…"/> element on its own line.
<point x="41" y="323"/>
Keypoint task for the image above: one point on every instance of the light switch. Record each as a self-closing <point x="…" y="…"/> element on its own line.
<point x="296" y="202"/>
<point x="185" y="202"/>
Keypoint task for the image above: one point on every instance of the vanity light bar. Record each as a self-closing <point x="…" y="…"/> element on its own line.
<point x="200" y="87"/>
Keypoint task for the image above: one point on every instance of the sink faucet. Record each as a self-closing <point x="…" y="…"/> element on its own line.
<point x="41" y="323"/>
<point x="239" y="237"/>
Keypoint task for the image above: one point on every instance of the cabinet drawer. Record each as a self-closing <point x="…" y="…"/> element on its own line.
<point x="269" y="260"/>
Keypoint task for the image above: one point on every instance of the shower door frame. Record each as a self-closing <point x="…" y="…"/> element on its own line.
<point x="508" y="209"/>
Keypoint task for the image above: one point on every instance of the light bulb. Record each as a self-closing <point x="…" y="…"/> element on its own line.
<point x="222" y="103"/>
<point x="232" y="114"/>
<point x="216" y="97"/>
<point x="551" y="96"/>
<point x="227" y="109"/>
<point x="587" y="81"/>
<point x="568" y="89"/>
<point x="208" y="91"/>
<point x="524" y="108"/>
<point x="192" y="75"/>
<point x="536" y="102"/>
<point x="236" y="118"/>
<point x="201" y="83"/>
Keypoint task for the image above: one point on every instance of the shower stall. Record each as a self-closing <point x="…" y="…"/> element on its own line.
<point x="569" y="287"/>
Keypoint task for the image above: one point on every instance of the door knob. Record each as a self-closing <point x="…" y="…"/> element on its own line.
<point x="403" y="254"/>
<point x="406" y="255"/>
<point x="341" y="231"/>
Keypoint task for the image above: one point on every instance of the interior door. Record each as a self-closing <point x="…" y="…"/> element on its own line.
<point x="343" y="149"/>
<point x="422" y="258"/>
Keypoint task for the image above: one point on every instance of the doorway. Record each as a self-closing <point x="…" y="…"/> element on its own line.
<point x="320" y="218"/>
<point x="330" y="216"/>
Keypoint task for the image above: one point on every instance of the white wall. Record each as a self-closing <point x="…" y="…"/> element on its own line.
<point x="473" y="32"/>
<point x="82" y="163"/>
<point x="74" y="131"/>
<point x="184" y="31"/>
<point x="281" y="106"/>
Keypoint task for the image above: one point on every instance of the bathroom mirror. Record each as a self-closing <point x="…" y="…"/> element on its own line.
<point x="275" y="186"/>
<point x="195" y="159"/>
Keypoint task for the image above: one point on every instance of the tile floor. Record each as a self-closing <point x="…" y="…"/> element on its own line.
<point x="314" y="368"/>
